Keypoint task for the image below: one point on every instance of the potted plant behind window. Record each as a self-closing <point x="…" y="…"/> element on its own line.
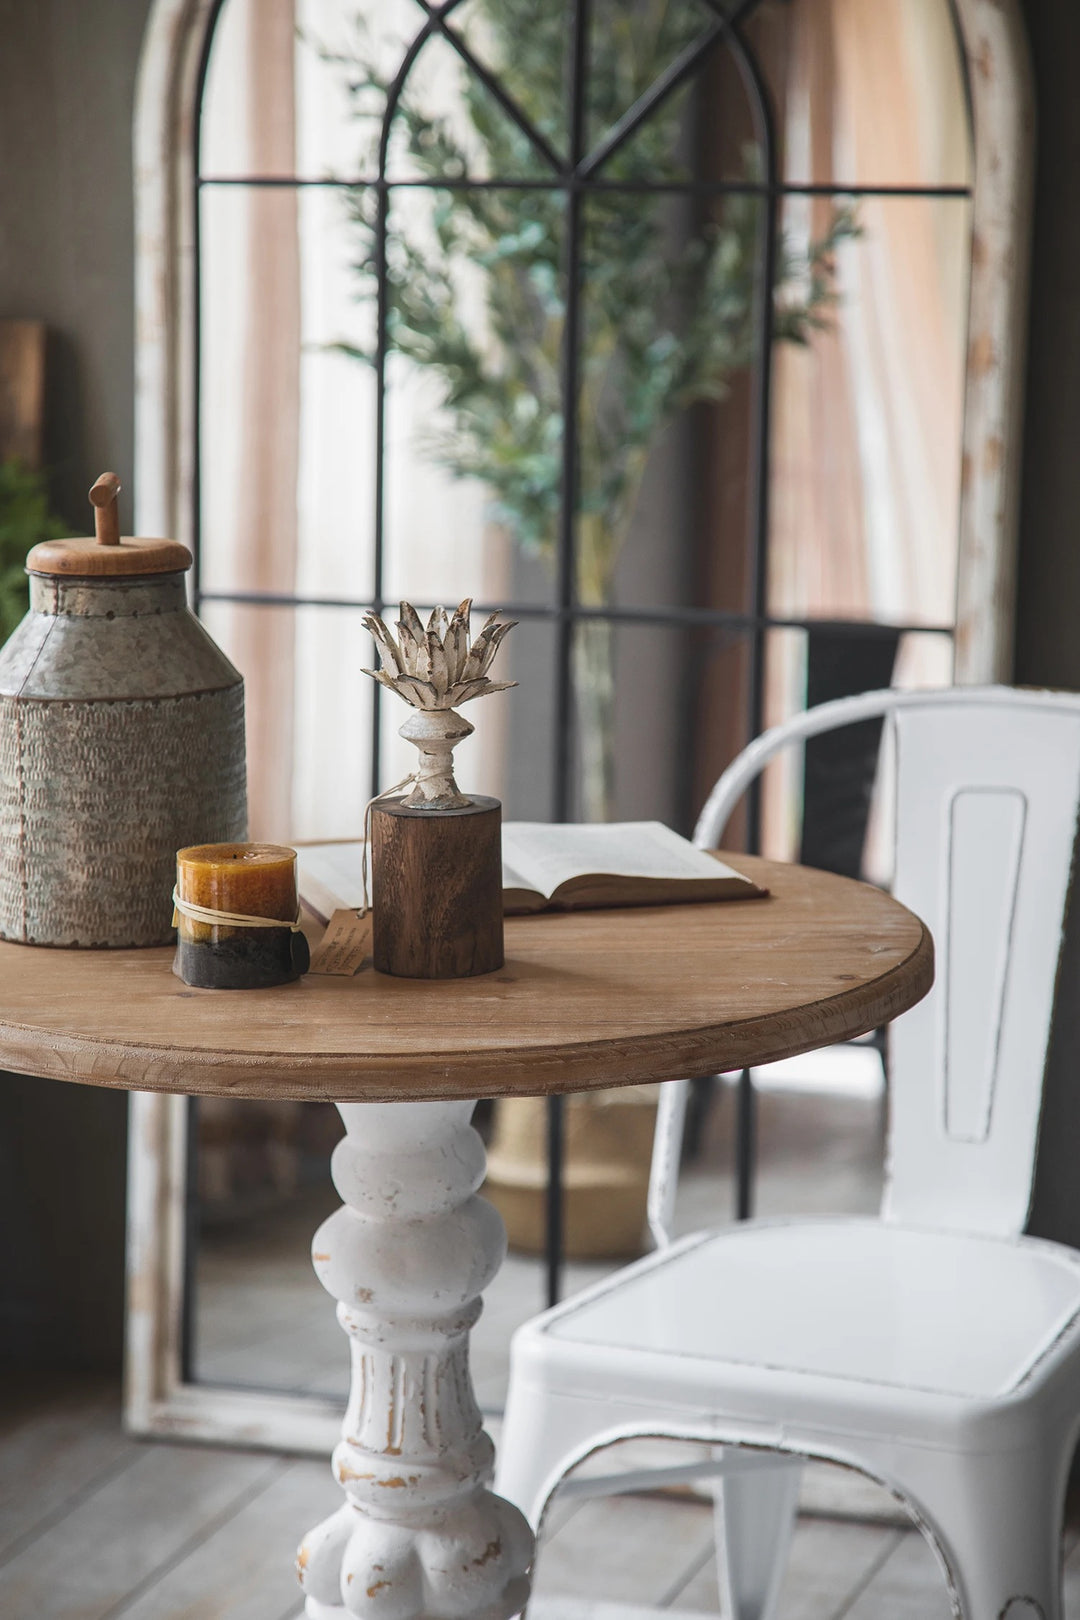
<point x="669" y="318"/>
<point x="25" y="519"/>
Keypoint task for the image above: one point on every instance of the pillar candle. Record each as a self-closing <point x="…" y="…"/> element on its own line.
<point x="245" y="880"/>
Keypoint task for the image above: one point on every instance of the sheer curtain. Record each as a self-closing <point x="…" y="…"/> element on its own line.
<point x="866" y="421"/>
<point x="866" y="441"/>
<point x="866" y="449"/>
<point x="250" y="400"/>
<point x="288" y="426"/>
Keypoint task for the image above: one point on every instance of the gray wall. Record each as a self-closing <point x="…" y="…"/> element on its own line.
<point x="1048" y="615"/>
<point x="1047" y="641"/>
<point x="66" y="222"/>
<point x="66" y="255"/>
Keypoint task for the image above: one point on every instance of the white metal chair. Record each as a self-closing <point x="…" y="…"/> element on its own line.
<point x="936" y="1349"/>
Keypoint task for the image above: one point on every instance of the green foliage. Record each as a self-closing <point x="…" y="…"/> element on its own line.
<point x="669" y="299"/>
<point x="24" y="520"/>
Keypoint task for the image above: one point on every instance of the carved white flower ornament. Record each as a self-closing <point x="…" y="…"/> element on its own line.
<point x="433" y="670"/>
<point x="437" y="668"/>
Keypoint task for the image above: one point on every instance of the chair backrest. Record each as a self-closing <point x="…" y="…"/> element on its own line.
<point x="988" y="783"/>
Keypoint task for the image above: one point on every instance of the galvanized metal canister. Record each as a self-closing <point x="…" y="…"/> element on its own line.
<point x="121" y="740"/>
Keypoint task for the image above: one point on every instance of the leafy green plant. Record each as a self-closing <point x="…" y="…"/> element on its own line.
<point x="24" y="520"/>
<point x="669" y="301"/>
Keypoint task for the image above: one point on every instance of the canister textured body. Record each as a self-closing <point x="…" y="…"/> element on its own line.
<point x="121" y="740"/>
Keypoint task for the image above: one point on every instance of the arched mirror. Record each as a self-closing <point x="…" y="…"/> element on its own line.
<point x="687" y="331"/>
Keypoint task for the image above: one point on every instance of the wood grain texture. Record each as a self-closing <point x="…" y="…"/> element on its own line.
<point x="87" y="558"/>
<point x="242" y="1570"/>
<point x="93" y="1549"/>
<point x="437" y="905"/>
<point x="60" y="1440"/>
<point x="106" y="517"/>
<point x="585" y="1000"/>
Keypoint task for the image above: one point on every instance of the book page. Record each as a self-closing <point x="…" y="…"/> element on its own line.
<point x="550" y="854"/>
<point x="330" y="879"/>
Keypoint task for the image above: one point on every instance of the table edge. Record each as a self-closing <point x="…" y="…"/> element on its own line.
<point x="528" y="1071"/>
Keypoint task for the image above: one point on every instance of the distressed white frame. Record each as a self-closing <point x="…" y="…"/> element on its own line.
<point x="157" y="1398"/>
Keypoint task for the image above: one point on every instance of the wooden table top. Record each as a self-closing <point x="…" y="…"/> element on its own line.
<point x="585" y="1000"/>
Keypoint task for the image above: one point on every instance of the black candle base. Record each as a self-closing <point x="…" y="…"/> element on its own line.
<point x="254" y="959"/>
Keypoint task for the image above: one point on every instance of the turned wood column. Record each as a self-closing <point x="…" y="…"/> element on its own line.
<point x="419" y="1535"/>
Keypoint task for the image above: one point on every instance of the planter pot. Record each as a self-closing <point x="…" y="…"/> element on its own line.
<point x="608" y="1149"/>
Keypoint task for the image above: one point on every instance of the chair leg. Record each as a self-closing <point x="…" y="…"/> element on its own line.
<point x="755" y="1520"/>
<point x="997" y="1518"/>
<point x="541" y="1430"/>
<point x="1005" y="1558"/>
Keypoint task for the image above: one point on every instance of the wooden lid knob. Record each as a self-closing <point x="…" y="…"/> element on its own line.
<point x="106" y="515"/>
<point x="107" y="555"/>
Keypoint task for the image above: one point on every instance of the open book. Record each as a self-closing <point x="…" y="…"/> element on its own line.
<point x="555" y="866"/>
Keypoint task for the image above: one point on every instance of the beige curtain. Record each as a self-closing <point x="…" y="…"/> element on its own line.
<point x="288" y="422"/>
<point x="250" y="380"/>
<point x="866" y="447"/>
<point x="866" y="450"/>
<point x="267" y="518"/>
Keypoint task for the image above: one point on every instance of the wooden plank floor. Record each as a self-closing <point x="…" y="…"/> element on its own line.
<point x="96" y="1526"/>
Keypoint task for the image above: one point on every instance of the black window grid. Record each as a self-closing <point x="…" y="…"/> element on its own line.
<point x="577" y="176"/>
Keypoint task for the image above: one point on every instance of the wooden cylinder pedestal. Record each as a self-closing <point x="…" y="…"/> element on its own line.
<point x="436" y="896"/>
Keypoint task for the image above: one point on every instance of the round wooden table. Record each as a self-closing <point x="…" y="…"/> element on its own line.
<point x="585" y="1000"/>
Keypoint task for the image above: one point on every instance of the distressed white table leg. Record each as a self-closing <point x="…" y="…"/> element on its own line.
<point x="419" y="1536"/>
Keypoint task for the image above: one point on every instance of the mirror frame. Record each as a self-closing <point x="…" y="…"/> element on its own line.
<point x="158" y="1398"/>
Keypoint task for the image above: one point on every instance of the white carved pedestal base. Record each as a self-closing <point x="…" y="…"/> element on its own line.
<point x="419" y="1536"/>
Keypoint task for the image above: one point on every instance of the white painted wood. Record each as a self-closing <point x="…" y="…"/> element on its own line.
<point x="419" y="1536"/>
<point x="623" y="1551"/>
<point x="1003" y="110"/>
<point x="166" y="109"/>
<point x="936" y="1349"/>
<point x="157" y="1155"/>
<point x="435" y="734"/>
<point x="85" y="1565"/>
<point x="241" y="1570"/>
<point x="256" y="1419"/>
<point x="435" y="670"/>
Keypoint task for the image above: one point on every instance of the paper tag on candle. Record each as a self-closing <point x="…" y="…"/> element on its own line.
<point x="344" y="946"/>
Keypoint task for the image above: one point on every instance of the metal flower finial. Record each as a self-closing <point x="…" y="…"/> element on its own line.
<point x="433" y="670"/>
<point x="437" y="668"/>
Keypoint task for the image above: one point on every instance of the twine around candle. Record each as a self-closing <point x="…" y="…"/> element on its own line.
<point x="234" y="919"/>
<point x="227" y="919"/>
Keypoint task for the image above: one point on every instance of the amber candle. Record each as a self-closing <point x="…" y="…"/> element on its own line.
<point x="237" y="882"/>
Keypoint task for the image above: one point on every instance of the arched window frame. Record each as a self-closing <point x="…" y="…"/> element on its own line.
<point x="160" y="1398"/>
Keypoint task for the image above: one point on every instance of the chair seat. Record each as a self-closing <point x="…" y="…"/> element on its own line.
<point x="956" y="1315"/>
